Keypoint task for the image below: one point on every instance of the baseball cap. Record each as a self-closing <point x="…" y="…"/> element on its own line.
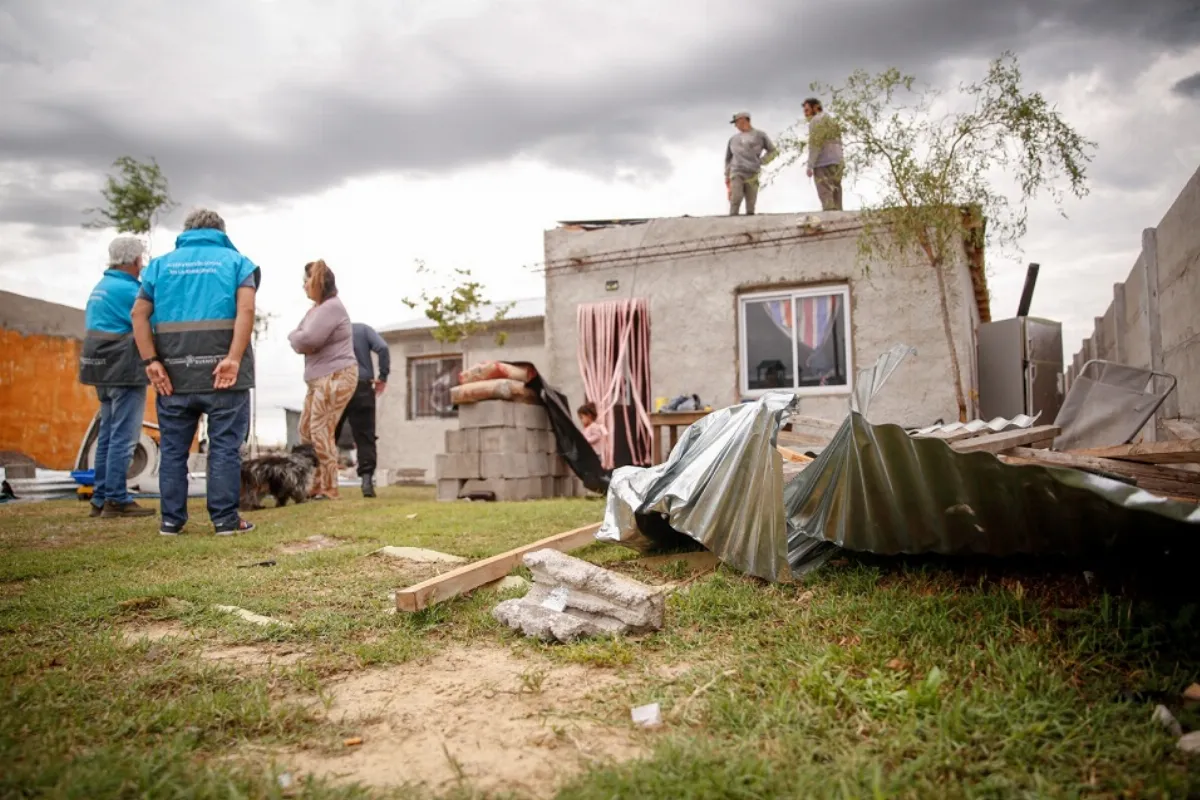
<point x="740" y="115"/>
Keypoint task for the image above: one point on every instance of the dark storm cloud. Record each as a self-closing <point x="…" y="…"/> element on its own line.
<point x="1189" y="86"/>
<point x="310" y="130"/>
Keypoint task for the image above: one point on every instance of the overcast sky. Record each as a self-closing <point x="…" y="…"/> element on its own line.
<point x="375" y="133"/>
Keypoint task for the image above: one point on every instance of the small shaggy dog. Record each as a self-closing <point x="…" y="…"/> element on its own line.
<point x="282" y="476"/>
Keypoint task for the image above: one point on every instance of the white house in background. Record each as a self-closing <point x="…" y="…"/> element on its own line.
<point x="415" y="412"/>
<point x="723" y="307"/>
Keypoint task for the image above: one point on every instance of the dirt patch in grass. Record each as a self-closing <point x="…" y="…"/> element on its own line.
<point x="258" y="655"/>
<point x="311" y="545"/>
<point x="478" y="717"/>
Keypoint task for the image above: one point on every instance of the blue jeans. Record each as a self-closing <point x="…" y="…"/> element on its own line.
<point x="121" y="412"/>
<point x="228" y="424"/>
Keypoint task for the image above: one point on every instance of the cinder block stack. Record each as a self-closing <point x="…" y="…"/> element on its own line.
<point x="507" y="449"/>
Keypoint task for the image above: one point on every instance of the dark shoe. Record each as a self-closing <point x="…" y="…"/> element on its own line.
<point x="231" y="529"/>
<point x="121" y="510"/>
<point x="368" y="485"/>
<point x="170" y="529"/>
<point x="94" y="510"/>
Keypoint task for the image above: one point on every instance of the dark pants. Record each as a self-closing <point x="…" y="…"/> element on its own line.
<point x="360" y="413"/>
<point x="121" y="412"/>
<point x="228" y="423"/>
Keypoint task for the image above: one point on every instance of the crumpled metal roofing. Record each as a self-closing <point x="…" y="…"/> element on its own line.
<point x="873" y="489"/>
<point x="722" y="486"/>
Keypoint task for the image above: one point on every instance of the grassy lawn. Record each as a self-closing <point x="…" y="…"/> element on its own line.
<point x="871" y="679"/>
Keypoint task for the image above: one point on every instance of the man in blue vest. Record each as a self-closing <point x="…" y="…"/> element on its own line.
<point x="110" y="363"/>
<point x="193" y="320"/>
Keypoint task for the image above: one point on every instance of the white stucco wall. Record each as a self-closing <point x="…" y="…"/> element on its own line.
<point x="693" y="309"/>
<point x="405" y="443"/>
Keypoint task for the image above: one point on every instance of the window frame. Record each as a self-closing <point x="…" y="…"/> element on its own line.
<point x="412" y="395"/>
<point x="793" y="294"/>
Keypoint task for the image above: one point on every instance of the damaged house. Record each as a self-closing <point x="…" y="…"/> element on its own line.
<point x="723" y="308"/>
<point x="729" y="309"/>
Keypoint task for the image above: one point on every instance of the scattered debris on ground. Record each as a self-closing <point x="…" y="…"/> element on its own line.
<point x="420" y="556"/>
<point x="571" y="599"/>
<point x="479" y="715"/>
<point x="251" y="617"/>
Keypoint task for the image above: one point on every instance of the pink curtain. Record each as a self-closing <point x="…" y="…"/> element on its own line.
<point x="614" y="361"/>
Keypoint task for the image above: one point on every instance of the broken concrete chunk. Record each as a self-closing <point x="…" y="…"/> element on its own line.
<point x="571" y="599"/>
<point x="597" y="590"/>
<point x="420" y="556"/>
<point x="542" y="623"/>
<point x="1190" y="743"/>
<point x="510" y="584"/>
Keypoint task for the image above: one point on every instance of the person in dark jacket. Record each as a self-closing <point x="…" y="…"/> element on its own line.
<point x="193" y="320"/>
<point x="110" y="363"/>
<point x="361" y="411"/>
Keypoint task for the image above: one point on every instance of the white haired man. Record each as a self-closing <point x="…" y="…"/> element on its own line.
<point x="744" y="161"/>
<point x="193" y="320"/>
<point x="109" y="362"/>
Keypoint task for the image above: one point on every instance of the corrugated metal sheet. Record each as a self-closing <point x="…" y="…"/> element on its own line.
<point x="979" y="426"/>
<point x="873" y="489"/>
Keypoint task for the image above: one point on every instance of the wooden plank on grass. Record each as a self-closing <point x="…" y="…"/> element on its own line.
<point x="793" y="456"/>
<point x="1006" y="440"/>
<point x="476" y="574"/>
<point x="1163" y="480"/>
<point x="1177" y="452"/>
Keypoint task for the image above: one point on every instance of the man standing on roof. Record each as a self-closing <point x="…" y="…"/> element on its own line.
<point x="110" y="363"/>
<point x="360" y="413"/>
<point x="192" y="321"/>
<point x="744" y="161"/>
<point x="825" y="159"/>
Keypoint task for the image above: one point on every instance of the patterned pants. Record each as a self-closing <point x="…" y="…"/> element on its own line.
<point x="323" y="406"/>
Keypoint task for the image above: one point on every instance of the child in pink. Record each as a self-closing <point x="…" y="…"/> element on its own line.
<point x="593" y="431"/>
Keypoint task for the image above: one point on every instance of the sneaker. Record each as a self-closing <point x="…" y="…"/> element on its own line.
<point x="170" y="528"/>
<point x="368" y="486"/>
<point x="114" y="510"/>
<point x="319" y="497"/>
<point x="231" y="529"/>
<point x="94" y="510"/>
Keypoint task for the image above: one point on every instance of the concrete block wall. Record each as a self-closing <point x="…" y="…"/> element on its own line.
<point x="1153" y="322"/>
<point x="504" y="448"/>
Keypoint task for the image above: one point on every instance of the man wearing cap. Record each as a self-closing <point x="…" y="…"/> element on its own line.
<point x="743" y="162"/>
<point x="110" y="362"/>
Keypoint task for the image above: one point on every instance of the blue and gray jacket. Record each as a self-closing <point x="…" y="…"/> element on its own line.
<point x="194" y="292"/>
<point x="110" y="357"/>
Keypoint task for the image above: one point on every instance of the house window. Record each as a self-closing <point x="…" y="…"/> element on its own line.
<point x="429" y="384"/>
<point x="795" y="339"/>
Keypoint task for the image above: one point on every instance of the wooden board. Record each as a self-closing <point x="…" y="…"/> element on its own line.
<point x="801" y="440"/>
<point x="793" y="456"/>
<point x="472" y="576"/>
<point x="1178" y="452"/>
<point x="1163" y="480"/>
<point x="1006" y="440"/>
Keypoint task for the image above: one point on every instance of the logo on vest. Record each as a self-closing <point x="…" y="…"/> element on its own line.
<point x="93" y="362"/>
<point x="191" y="362"/>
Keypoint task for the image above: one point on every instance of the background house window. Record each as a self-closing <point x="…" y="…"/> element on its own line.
<point x="429" y="384"/>
<point x="796" y="339"/>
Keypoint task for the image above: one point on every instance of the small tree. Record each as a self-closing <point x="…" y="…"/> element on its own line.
<point x="937" y="170"/>
<point x="135" y="197"/>
<point x="456" y="307"/>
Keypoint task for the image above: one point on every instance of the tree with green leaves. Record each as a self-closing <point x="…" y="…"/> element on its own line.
<point x="135" y="196"/>
<point x="949" y="169"/>
<point x="457" y="306"/>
